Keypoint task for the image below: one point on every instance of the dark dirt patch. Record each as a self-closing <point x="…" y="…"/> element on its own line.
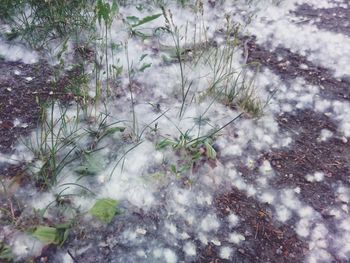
<point x="24" y="89"/>
<point x="334" y="19"/>
<point x="288" y="68"/>
<point x="266" y="240"/>
<point x="308" y="155"/>
<point x="18" y="97"/>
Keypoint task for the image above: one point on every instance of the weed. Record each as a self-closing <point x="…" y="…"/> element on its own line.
<point x="190" y="149"/>
<point x="53" y="145"/>
<point x="133" y="24"/>
<point x="105" y="13"/>
<point x="104" y="210"/>
<point x="56" y="235"/>
<point x="39" y="22"/>
<point x="5" y="253"/>
<point x="175" y="34"/>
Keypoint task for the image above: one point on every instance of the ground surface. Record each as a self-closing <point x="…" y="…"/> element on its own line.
<point x="265" y="238"/>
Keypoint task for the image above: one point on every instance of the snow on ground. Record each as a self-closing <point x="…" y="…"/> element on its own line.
<point x="276" y="27"/>
<point x="187" y="218"/>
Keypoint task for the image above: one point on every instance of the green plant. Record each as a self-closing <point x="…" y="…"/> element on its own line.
<point x="54" y="144"/>
<point x="190" y="149"/>
<point x="232" y="86"/>
<point x="105" y="13"/>
<point x="133" y="24"/>
<point x="103" y="129"/>
<point x="174" y="31"/>
<point x="104" y="210"/>
<point x="5" y="253"/>
<point x="38" y="21"/>
<point x="52" y="235"/>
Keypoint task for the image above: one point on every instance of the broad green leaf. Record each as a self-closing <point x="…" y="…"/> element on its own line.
<point x="146" y="20"/>
<point x="46" y="234"/>
<point x="51" y="235"/>
<point x="104" y="209"/>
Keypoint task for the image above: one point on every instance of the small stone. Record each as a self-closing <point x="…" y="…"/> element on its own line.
<point x="141" y="231"/>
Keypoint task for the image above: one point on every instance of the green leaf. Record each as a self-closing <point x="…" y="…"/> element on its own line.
<point x="173" y="169"/>
<point x="105" y="11"/>
<point x="144" y="66"/>
<point x="138" y="33"/>
<point x="115" y="7"/>
<point x="118" y="70"/>
<point x="46" y="234"/>
<point x="104" y="209"/>
<point x="5" y="253"/>
<point x="132" y="19"/>
<point x="51" y="235"/>
<point x="146" y="20"/>
<point x="211" y="153"/>
<point x="111" y="131"/>
<point x="164" y="143"/>
<point x="143" y="56"/>
<point x="91" y="166"/>
<point x="196" y="156"/>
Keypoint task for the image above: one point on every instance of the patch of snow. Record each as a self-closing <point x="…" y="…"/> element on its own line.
<point x="236" y="238"/>
<point x="225" y="253"/>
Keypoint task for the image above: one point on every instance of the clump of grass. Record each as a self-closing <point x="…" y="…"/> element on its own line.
<point x="53" y="146"/>
<point x="251" y="105"/>
<point x="229" y="84"/>
<point x="5" y="253"/>
<point x="40" y="21"/>
<point x="175" y="34"/>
